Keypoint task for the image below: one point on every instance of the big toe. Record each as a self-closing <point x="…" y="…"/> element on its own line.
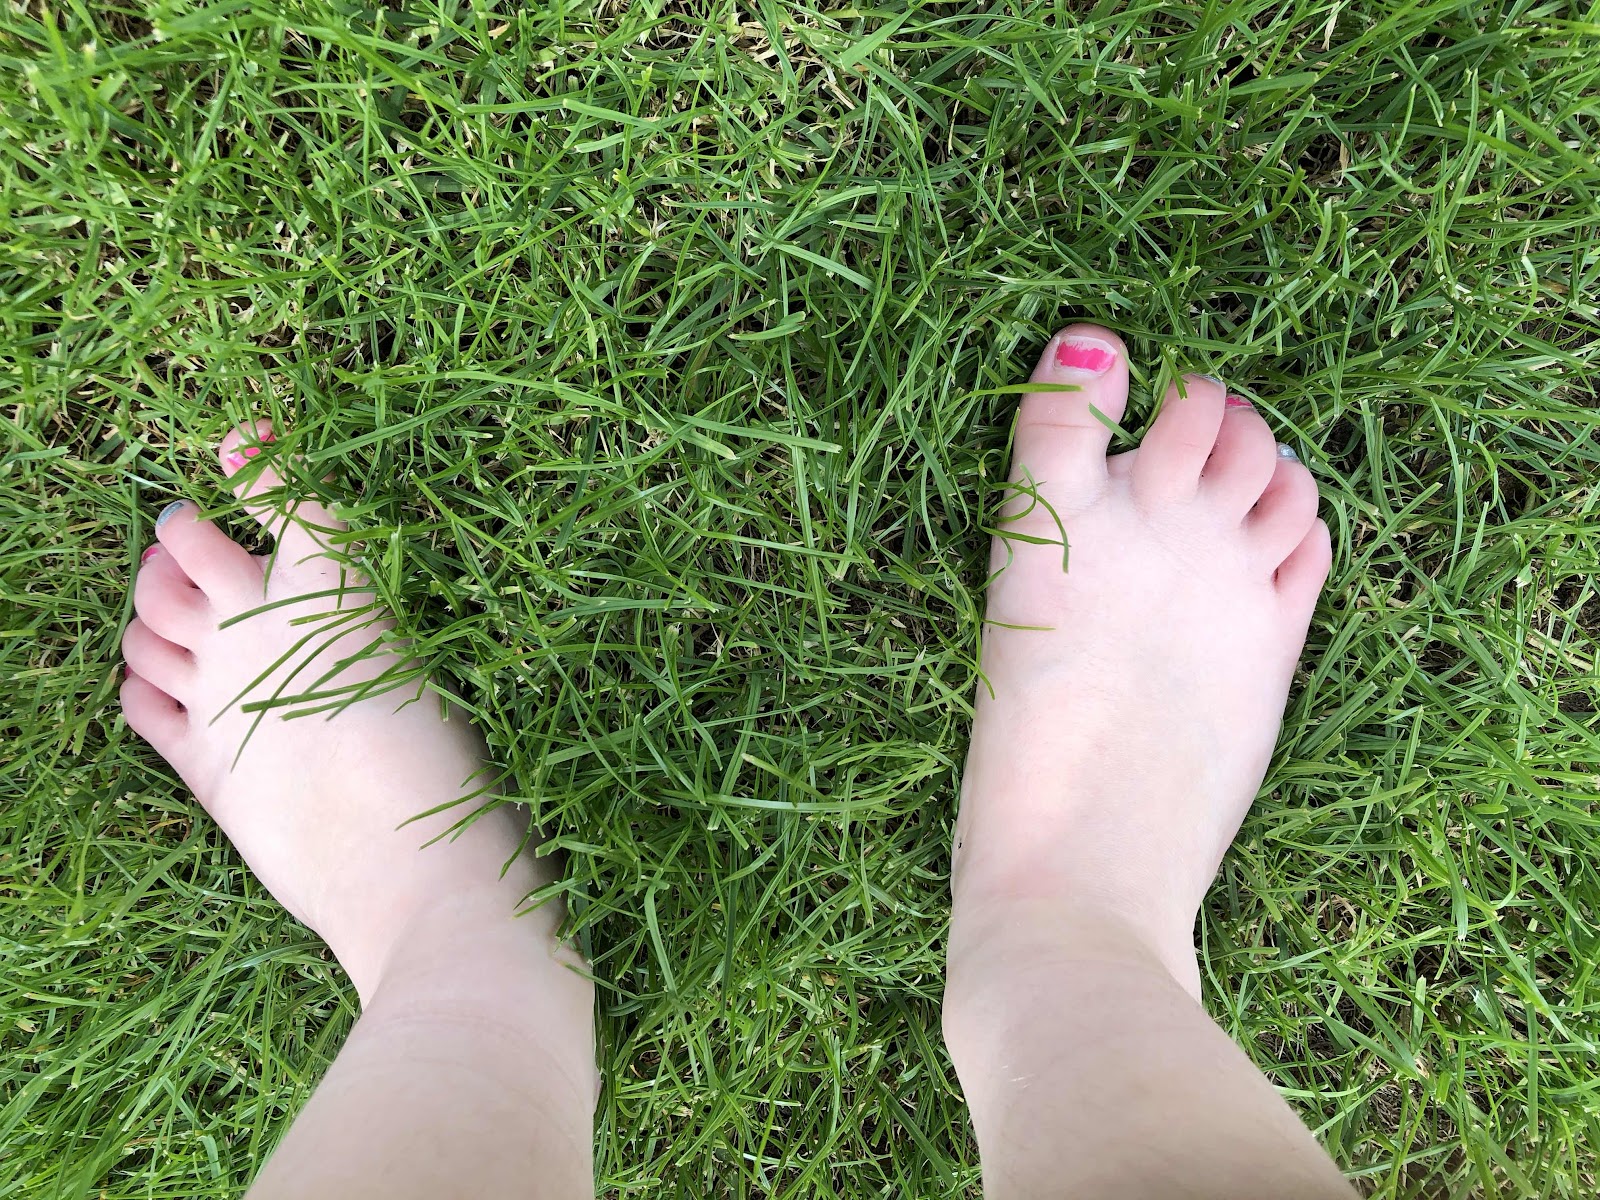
<point x="1065" y="427"/>
<point x="303" y="528"/>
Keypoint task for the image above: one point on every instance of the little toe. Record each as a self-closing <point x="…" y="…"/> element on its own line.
<point x="1300" y="577"/>
<point x="303" y="528"/>
<point x="150" y="656"/>
<point x="1285" y="513"/>
<point x="1180" y="440"/>
<point x="1243" y="460"/>
<point x="217" y="564"/>
<point x="169" y="602"/>
<point x="154" y="715"/>
<point x="1062" y="436"/>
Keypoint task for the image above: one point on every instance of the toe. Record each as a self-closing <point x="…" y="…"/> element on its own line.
<point x="1302" y="574"/>
<point x="303" y="528"/>
<point x="1285" y="513"/>
<point x="154" y="715"/>
<point x="217" y="564"/>
<point x="164" y="664"/>
<point x="1062" y="435"/>
<point x="169" y="602"/>
<point x="1243" y="460"/>
<point x="1180" y="440"/>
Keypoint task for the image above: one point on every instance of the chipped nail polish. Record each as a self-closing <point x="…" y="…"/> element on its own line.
<point x="1287" y="452"/>
<point x="149" y="553"/>
<point x="168" y="513"/>
<point x="1085" y="354"/>
<point x="1238" y="402"/>
<point x="233" y="459"/>
<point x="250" y="451"/>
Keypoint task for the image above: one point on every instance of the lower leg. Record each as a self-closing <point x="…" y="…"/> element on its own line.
<point x="470" y="1073"/>
<point x="1089" y="1070"/>
<point x="1134" y="681"/>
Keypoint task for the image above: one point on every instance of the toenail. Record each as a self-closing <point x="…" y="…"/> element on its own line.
<point x="1086" y="354"/>
<point x="150" y="553"/>
<point x="1287" y="452"/>
<point x="168" y="513"/>
<point x="1238" y="402"/>
<point x="233" y="459"/>
<point x="1212" y="379"/>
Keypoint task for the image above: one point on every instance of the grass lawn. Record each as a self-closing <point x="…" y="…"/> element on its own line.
<point x="656" y="348"/>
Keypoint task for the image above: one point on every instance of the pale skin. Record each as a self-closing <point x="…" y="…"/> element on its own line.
<point x="1119" y="740"/>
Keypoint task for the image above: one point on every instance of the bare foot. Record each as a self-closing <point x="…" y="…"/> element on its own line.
<point x="1137" y="693"/>
<point x="320" y="806"/>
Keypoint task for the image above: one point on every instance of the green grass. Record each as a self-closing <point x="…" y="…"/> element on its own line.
<point x="653" y="347"/>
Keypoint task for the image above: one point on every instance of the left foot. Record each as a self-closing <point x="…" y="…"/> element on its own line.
<point x="320" y="806"/>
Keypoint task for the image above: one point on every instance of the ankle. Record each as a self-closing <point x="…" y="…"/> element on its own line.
<point x="1013" y="958"/>
<point x="1056" y="912"/>
<point x="1019" y="973"/>
<point x="484" y="929"/>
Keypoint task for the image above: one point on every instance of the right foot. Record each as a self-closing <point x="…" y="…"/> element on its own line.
<point x="321" y="806"/>
<point x="1121" y="737"/>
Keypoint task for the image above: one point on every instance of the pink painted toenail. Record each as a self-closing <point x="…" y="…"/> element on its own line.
<point x="1238" y="402"/>
<point x="1085" y="354"/>
<point x="150" y="553"/>
<point x="251" y="451"/>
<point x="233" y="459"/>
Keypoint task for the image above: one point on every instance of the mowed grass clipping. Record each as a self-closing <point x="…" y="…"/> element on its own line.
<point x="657" y="351"/>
